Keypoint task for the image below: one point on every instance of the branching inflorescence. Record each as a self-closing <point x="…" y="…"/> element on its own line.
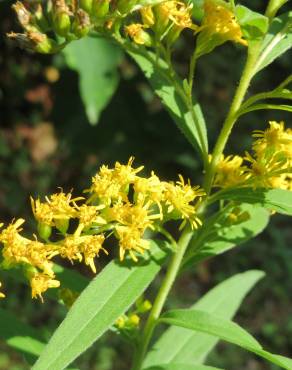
<point x="119" y="203"/>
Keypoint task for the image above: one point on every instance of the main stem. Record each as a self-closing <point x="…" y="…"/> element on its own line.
<point x="231" y="118"/>
<point x="161" y="297"/>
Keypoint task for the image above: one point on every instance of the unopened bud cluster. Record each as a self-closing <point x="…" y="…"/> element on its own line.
<point x="120" y="203"/>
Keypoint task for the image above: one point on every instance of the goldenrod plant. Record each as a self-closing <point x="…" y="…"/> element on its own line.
<point x="126" y="214"/>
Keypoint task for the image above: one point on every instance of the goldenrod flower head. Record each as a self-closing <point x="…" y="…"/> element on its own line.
<point x="110" y="185"/>
<point x="90" y="246"/>
<point x="229" y="171"/>
<point x="69" y="248"/>
<point x="130" y="239"/>
<point x="2" y="295"/>
<point x="137" y="33"/>
<point x="220" y="20"/>
<point x="15" y="245"/>
<point x="273" y="139"/>
<point x="40" y="283"/>
<point x="178" y="199"/>
<point x="57" y="208"/>
<point x="88" y="216"/>
<point x="263" y="170"/>
<point x="147" y="16"/>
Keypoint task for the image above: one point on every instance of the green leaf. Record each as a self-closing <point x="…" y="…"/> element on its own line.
<point x="19" y="335"/>
<point x="277" y="41"/>
<point x="184" y="345"/>
<point x="226" y="330"/>
<point x="281" y="92"/>
<point x="217" y="235"/>
<point x="192" y="124"/>
<point x="278" y="200"/>
<point x="253" y="25"/>
<point x="96" y="61"/>
<point x="180" y="366"/>
<point x="107" y="297"/>
<point x="264" y="106"/>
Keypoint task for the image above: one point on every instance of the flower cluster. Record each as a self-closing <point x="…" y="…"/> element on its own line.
<point x="164" y="21"/>
<point x="269" y="165"/>
<point x="144" y="25"/>
<point x="119" y="203"/>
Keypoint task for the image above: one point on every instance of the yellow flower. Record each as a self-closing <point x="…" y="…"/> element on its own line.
<point x="40" y="283"/>
<point x="75" y="247"/>
<point x="2" y="295"/>
<point x="220" y="20"/>
<point x="273" y="139"/>
<point x="15" y="245"/>
<point x="178" y="199"/>
<point x="90" y="246"/>
<point x="88" y="216"/>
<point x="130" y="240"/>
<point x="110" y="185"/>
<point x="151" y="189"/>
<point x="56" y="210"/>
<point x="229" y="171"/>
<point x="137" y="33"/>
<point x="147" y="16"/>
<point x="263" y="171"/>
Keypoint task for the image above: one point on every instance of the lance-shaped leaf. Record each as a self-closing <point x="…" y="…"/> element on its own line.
<point x="107" y="297"/>
<point x="180" y="366"/>
<point x="265" y="106"/>
<point x="277" y="41"/>
<point x="224" y="329"/>
<point x="183" y="345"/>
<point x="189" y="120"/>
<point x="253" y="25"/>
<point x="278" y="200"/>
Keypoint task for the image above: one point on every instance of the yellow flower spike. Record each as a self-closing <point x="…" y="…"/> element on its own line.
<point x="2" y="295"/>
<point x="220" y="20"/>
<point x="130" y="239"/>
<point x="229" y="171"/>
<point x="40" y="283"/>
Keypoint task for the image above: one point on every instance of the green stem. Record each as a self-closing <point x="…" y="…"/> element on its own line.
<point x="273" y="7"/>
<point x="231" y="118"/>
<point x="161" y="297"/>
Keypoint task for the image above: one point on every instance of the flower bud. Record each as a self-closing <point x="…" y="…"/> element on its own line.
<point x="86" y="5"/>
<point x="120" y="322"/>
<point x="147" y="15"/>
<point x="100" y="8"/>
<point x="34" y="41"/>
<point x="162" y="13"/>
<point x="61" y="18"/>
<point x="41" y="19"/>
<point x="133" y="320"/>
<point x="23" y="15"/>
<point x="125" y="6"/>
<point x="81" y="24"/>
<point x="137" y="33"/>
<point x="44" y="230"/>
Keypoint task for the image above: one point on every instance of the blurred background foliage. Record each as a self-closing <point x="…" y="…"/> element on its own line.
<point x="63" y="116"/>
